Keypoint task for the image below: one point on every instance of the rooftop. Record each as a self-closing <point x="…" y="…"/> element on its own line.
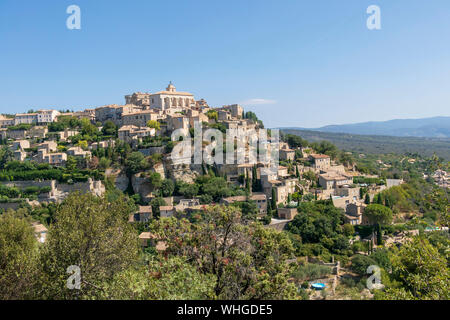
<point x="319" y="156"/>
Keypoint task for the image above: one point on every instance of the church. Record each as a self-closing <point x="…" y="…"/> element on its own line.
<point x="171" y="99"/>
<point x="163" y="100"/>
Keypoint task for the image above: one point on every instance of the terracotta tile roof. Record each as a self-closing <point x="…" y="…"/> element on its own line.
<point x="319" y="156"/>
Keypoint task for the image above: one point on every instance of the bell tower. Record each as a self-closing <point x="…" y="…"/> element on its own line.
<point x="171" y="87"/>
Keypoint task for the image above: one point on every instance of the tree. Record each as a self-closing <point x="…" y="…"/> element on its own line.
<point x="381" y="257"/>
<point x="360" y="264"/>
<point x="362" y="192"/>
<point x="248" y="185"/>
<point x="367" y="199"/>
<point x="104" y="163"/>
<point x="251" y="115"/>
<point x="109" y="128"/>
<point x="212" y="114"/>
<point x="155" y="180"/>
<point x="205" y="199"/>
<point x="83" y="144"/>
<point x="247" y="261"/>
<point x="162" y="279"/>
<point x="88" y="129"/>
<point x="310" y="176"/>
<point x="189" y="191"/>
<point x="18" y="258"/>
<point x="71" y="164"/>
<point x="216" y="187"/>
<point x="422" y="272"/>
<point x="167" y="187"/>
<point x="248" y="208"/>
<point x="320" y="223"/>
<point x="155" y="204"/>
<point x="6" y="155"/>
<point x="93" y="234"/>
<point x="295" y="141"/>
<point x="387" y="202"/>
<point x="349" y="230"/>
<point x="346" y="159"/>
<point x="273" y="204"/>
<point x="378" y="214"/>
<point x="379" y="199"/>
<point x="269" y="208"/>
<point x="154" y="124"/>
<point x="325" y="147"/>
<point x="136" y="162"/>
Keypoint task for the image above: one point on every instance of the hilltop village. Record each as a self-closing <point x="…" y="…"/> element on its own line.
<point x="330" y="208"/>
<point x="81" y="141"/>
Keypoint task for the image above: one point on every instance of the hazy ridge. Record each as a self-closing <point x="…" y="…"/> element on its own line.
<point x="376" y="144"/>
<point x="436" y="127"/>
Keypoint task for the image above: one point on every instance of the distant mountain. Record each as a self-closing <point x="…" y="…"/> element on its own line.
<point x="375" y="144"/>
<point x="437" y="127"/>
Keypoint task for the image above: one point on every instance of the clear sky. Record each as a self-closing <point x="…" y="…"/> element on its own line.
<point x="301" y="63"/>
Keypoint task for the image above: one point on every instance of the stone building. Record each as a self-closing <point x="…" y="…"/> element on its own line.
<point x="320" y="161"/>
<point x="78" y="152"/>
<point x="287" y="154"/>
<point x="48" y="146"/>
<point x="235" y="111"/>
<point x="333" y="180"/>
<point x="85" y="114"/>
<point x="37" y="132"/>
<point x="56" y="159"/>
<point x="139" y="118"/>
<point x="354" y="213"/>
<point x="287" y="213"/>
<point x="114" y="113"/>
<point x="20" y="145"/>
<point x="138" y="99"/>
<point x="177" y="122"/>
<point x="6" y="122"/>
<point x="25" y="118"/>
<point x="167" y="211"/>
<point x="47" y="116"/>
<point x="130" y="133"/>
<point x="40" y="116"/>
<point x="260" y="200"/>
<point x="171" y="99"/>
<point x="13" y="134"/>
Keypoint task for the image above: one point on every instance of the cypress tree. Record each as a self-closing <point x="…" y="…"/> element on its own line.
<point x="367" y="199"/>
<point x="379" y="235"/>
<point x="269" y="207"/>
<point x="274" y="200"/>
<point x="386" y="202"/>
<point x="379" y="199"/>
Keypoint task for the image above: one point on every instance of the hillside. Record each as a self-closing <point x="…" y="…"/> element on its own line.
<point x="379" y="144"/>
<point x="437" y="127"/>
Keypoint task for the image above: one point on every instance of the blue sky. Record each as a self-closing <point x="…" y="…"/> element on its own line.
<point x="293" y="62"/>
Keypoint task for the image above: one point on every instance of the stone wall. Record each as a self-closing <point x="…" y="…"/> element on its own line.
<point x="59" y="191"/>
<point x="122" y="181"/>
<point x="152" y="150"/>
<point x="141" y="185"/>
<point x="4" y="206"/>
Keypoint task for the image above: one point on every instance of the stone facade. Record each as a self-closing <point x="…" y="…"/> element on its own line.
<point x="171" y="99"/>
